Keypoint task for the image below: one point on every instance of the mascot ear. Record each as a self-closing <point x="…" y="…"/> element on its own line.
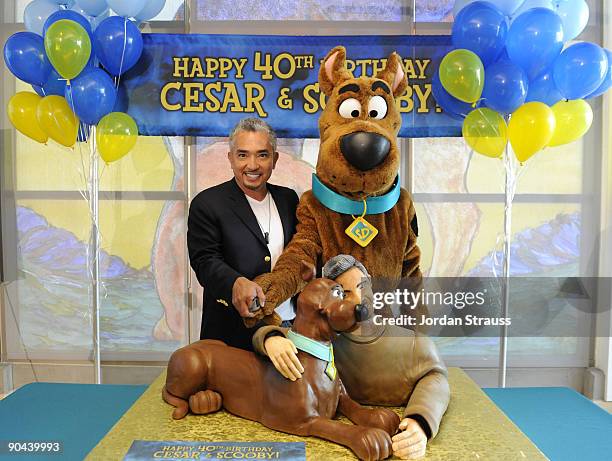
<point x="394" y="75"/>
<point x="333" y="70"/>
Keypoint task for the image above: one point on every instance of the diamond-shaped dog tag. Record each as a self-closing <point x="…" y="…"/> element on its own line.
<point x="361" y="231"/>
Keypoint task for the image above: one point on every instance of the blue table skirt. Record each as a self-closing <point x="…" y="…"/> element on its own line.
<point x="563" y="424"/>
<point x="79" y="415"/>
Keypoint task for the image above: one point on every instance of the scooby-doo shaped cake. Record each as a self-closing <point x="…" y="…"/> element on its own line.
<point x="356" y="205"/>
<point x="207" y="375"/>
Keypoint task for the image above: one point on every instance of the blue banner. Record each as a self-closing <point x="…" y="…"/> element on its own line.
<point x="145" y="450"/>
<point x="201" y="85"/>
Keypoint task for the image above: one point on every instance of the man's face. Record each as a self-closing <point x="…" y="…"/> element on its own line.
<point x="352" y="284"/>
<point x="252" y="160"/>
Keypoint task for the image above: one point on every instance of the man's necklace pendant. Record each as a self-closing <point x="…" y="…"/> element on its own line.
<point x="360" y="230"/>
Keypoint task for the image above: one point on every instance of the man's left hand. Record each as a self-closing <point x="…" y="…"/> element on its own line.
<point x="411" y="442"/>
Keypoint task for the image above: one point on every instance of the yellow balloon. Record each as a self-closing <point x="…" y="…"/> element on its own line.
<point x="462" y="75"/>
<point x="21" y="112"/>
<point x="530" y="129"/>
<point x="573" y="119"/>
<point x="116" y="135"/>
<point x="486" y="132"/>
<point x="57" y="119"/>
<point x="68" y="47"/>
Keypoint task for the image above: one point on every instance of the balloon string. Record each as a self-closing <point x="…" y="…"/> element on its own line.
<point x="118" y="81"/>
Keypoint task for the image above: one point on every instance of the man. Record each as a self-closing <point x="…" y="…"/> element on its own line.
<point x="236" y="231"/>
<point x="379" y="365"/>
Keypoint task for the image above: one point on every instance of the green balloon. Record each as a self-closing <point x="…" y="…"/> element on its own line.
<point x="462" y="75"/>
<point x="68" y="47"/>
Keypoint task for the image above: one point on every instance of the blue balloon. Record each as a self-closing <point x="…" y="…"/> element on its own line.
<point x="580" y="70"/>
<point x="450" y="105"/>
<point x="574" y="16"/>
<point x="505" y="87"/>
<point x="93" y="95"/>
<point x="55" y="84"/>
<point x="93" y="7"/>
<point x="529" y="4"/>
<point x="70" y="15"/>
<point x="93" y="20"/>
<point x="505" y="6"/>
<point x="543" y="89"/>
<point x="118" y="44"/>
<point x="607" y="82"/>
<point x="36" y="13"/>
<point x="128" y="9"/>
<point x="150" y="10"/>
<point x="535" y="40"/>
<point x="481" y="28"/>
<point x="24" y="54"/>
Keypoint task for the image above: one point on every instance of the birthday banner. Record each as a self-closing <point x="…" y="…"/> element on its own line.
<point x="202" y="85"/>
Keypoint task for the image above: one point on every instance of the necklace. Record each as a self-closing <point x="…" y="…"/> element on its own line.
<point x="263" y="231"/>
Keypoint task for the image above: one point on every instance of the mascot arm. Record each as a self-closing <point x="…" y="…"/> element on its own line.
<point x="431" y="394"/>
<point x="286" y="280"/>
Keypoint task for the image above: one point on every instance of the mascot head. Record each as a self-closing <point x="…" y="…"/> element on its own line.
<point x="359" y="156"/>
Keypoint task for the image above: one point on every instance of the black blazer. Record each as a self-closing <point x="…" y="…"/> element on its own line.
<point x="225" y="242"/>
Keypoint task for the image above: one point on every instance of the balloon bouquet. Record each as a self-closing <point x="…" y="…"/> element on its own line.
<point x="510" y="79"/>
<point x="74" y="54"/>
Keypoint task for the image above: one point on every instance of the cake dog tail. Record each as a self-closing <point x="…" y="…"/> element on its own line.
<point x="182" y="406"/>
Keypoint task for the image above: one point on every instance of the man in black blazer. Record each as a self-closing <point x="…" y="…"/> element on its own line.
<point x="234" y="233"/>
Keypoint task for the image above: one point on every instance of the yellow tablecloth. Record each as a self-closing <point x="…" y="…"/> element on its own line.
<point x="474" y="428"/>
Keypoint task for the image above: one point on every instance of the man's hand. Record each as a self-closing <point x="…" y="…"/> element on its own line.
<point x="411" y="442"/>
<point x="243" y="293"/>
<point x="283" y="354"/>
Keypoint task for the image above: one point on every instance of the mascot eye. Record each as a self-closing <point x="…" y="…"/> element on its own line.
<point x="338" y="292"/>
<point x="350" y="108"/>
<point x="377" y="107"/>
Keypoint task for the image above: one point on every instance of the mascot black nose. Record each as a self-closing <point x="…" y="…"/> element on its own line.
<point x="364" y="150"/>
<point x="361" y="312"/>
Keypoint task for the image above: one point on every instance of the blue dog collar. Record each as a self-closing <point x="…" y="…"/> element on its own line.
<point x="344" y="205"/>
<point x="316" y="349"/>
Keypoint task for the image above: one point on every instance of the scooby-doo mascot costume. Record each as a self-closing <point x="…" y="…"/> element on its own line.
<point x="356" y="205"/>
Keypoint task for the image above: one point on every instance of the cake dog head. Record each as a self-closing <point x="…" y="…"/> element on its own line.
<point x="359" y="156"/>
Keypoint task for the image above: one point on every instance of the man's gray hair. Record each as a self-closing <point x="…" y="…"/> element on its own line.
<point x="253" y="124"/>
<point x="338" y="265"/>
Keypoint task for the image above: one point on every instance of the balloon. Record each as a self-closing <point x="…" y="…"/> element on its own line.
<point x="580" y="70"/>
<point x="505" y="6"/>
<point x="573" y="120"/>
<point x="128" y="9"/>
<point x="481" y="28"/>
<point x="607" y="82"/>
<point x="116" y="135"/>
<point x="94" y="21"/>
<point x="67" y="14"/>
<point x="24" y="54"/>
<point x="485" y="131"/>
<point x="58" y="121"/>
<point x="574" y="15"/>
<point x="535" y="39"/>
<point x="450" y="105"/>
<point x="462" y="75"/>
<point x="93" y="7"/>
<point x="93" y="95"/>
<point x="505" y="87"/>
<point x="530" y="129"/>
<point x="543" y="89"/>
<point x="36" y="13"/>
<point x="21" y="112"/>
<point x="150" y="10"/>
<point x="529" y="4"/>
<point x="54" y="85"/>
<point x="118" y="44"/>
<point x="68" y="47"/>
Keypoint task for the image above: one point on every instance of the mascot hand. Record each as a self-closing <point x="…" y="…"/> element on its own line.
<point x="271" y="292"/>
